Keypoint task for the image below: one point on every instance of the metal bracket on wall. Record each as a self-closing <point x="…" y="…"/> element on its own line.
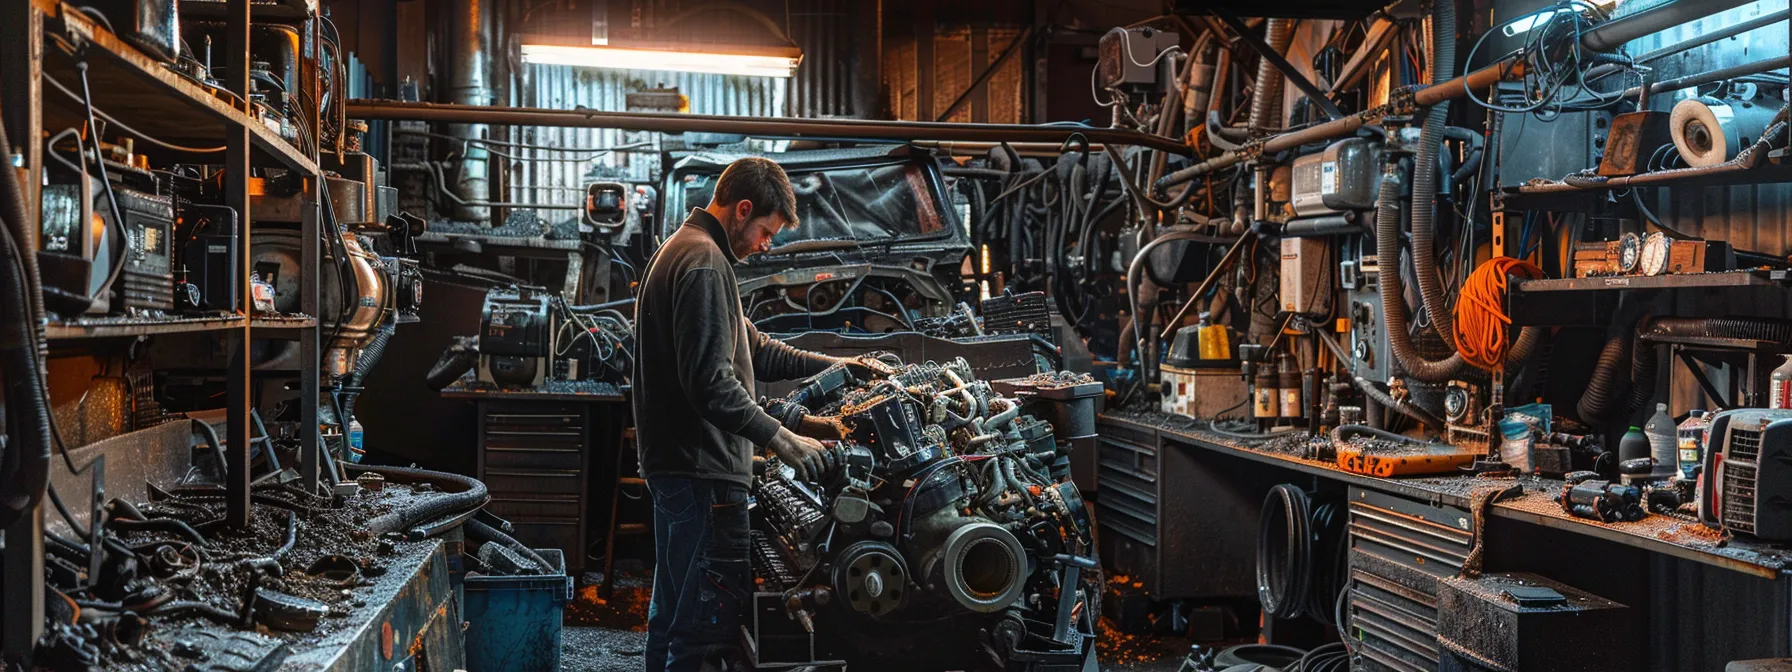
<point x="1294" y="76"/>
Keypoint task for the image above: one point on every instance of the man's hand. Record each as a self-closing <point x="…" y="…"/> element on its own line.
<point x="826" y="427"/>
<point x="808" y="457"/>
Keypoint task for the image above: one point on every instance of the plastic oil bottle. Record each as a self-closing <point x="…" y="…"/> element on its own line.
<point x="357" y="437"/>
<point x="1692" y="441"/>
<point x="1780" y="388"/>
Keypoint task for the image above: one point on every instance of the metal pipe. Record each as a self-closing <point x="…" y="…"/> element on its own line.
<point x="1338" y="128"/>
<point x="834" y="129"/>
<point x="1712" y="76"/>
<point x="470" y="26"/>
<point x="1613" y="34"/>
<point x="978" y="149"/>
<point x="1722" y="33"/>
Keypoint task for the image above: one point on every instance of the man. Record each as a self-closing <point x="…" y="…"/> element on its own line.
<point x="696" y="422"/>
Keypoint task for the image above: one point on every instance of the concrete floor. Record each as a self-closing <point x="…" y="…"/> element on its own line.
<point x="600" y="649"/>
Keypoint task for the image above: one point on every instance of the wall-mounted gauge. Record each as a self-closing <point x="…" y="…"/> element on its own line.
<point x="1629" y="250"/>
<point x="1655" y="254"/>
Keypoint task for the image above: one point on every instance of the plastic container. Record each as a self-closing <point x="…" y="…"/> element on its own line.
<point x="1633" y="445"/>
<point x="1692" y="441"/>
<point x="1664" y="441"/>
<point x="357" y="441"/>
<point x="513" y="622"/>
<point x="1215" y="342"/>
<point x="1779" y="393"/>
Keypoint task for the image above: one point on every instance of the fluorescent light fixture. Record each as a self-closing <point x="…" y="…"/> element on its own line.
<point x="1525" y="24"/>
<point x="748" y="61"/>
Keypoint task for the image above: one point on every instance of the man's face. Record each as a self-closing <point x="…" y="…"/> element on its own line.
<point x="752" y="235"/>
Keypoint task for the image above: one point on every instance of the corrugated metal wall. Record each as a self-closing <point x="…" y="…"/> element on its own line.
<point x="559" y="177"/>
<point x="824" y="84"/>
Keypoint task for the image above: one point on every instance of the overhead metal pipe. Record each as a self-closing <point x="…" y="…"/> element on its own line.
<point x="1720" y="34"/>
<point x="1339" y="128"/>
<point x="1712" y="76"/>
<point x="1613" y="34"/>
<point x="820" y="129"/>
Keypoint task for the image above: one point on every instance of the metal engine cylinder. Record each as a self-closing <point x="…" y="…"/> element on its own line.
<point x="978" y="564"/>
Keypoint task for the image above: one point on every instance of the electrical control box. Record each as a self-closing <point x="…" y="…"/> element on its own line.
<point x="1304" y="274"/>
<point x="1346" y="176"/>
<point x="1128" y="57"/>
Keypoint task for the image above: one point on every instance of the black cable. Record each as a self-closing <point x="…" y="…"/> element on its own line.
<point x="1284" y="552"/>
<point x="99" y="155"/>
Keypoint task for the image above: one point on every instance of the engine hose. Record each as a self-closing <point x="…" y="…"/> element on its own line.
<point x="483" y="532"/>
<point x="1393" y="291"/>
<point x="1284" y="552"/>
<point x="1388" y="402"/>
<point x="1424" y="180"/>
<point x="1014" y="479"/>
<point x="1330" y="560"/>
<point x="1266" y="101"/>
<point x="1598" y="401"/>
<point x="370" y="355"/>
<point x="472" y="494"/>
<point x="25" y="460"/>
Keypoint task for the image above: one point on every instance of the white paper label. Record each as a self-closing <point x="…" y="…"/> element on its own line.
<point x="1328" y="178"/>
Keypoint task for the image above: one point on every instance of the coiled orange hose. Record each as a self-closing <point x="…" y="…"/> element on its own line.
<point x="1481" y="321"/>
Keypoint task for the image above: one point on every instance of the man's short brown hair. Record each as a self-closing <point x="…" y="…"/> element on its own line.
<point x="760" y="181"/>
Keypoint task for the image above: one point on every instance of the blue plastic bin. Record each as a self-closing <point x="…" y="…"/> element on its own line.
<point x="514" y="621"/>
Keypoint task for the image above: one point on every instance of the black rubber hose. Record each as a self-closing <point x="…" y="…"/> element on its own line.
<point x="471" y="493"/>
<point x="1388" y="402"/>
<point x="370" y="355"/>
<point x="486" y="533"/>
<point x="170" y="525"/>
<point x="189" y="607"/>
<point x="25" y="461"/>
<point x="1393" y="291"/>
<point x="1424" y="179"/>
<point x="1284" y="552"/>
<point x="1598" y="401"/>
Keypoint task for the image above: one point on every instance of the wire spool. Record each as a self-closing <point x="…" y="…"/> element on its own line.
<point x="1709" y="131"/>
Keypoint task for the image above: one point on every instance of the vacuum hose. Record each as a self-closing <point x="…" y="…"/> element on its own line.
<point x="1393" y="291"/>
<point x="1266" y="102"/>
<point x="471" y="494"/>
<point x="1424" y="179"/>
<point x="25" y="463"/>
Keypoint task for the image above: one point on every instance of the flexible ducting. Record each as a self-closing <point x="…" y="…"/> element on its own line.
<point x="370" y="355"/>
<point x="25" y="463"/>
<point x="1266" y="101"/>
<point x="489" y="534"/>
<point x="1393" y="291"/>
<point x="471" y="493"/>
<point x="1424" y="177"/>
<point x="1598" y="401"/>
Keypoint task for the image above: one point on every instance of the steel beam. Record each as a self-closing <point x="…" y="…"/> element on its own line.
<point x="238" y="374"/>
<point x="826" y="129"/>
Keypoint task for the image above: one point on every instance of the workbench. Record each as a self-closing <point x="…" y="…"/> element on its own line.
<point x="1178" y="504"/>
<point x="539" y="453"/>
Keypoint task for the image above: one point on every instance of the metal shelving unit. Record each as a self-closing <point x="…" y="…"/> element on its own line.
<point x="152" y="99"/>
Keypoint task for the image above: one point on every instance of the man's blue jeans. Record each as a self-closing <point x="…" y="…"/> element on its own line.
<point x="700" y="578"/>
